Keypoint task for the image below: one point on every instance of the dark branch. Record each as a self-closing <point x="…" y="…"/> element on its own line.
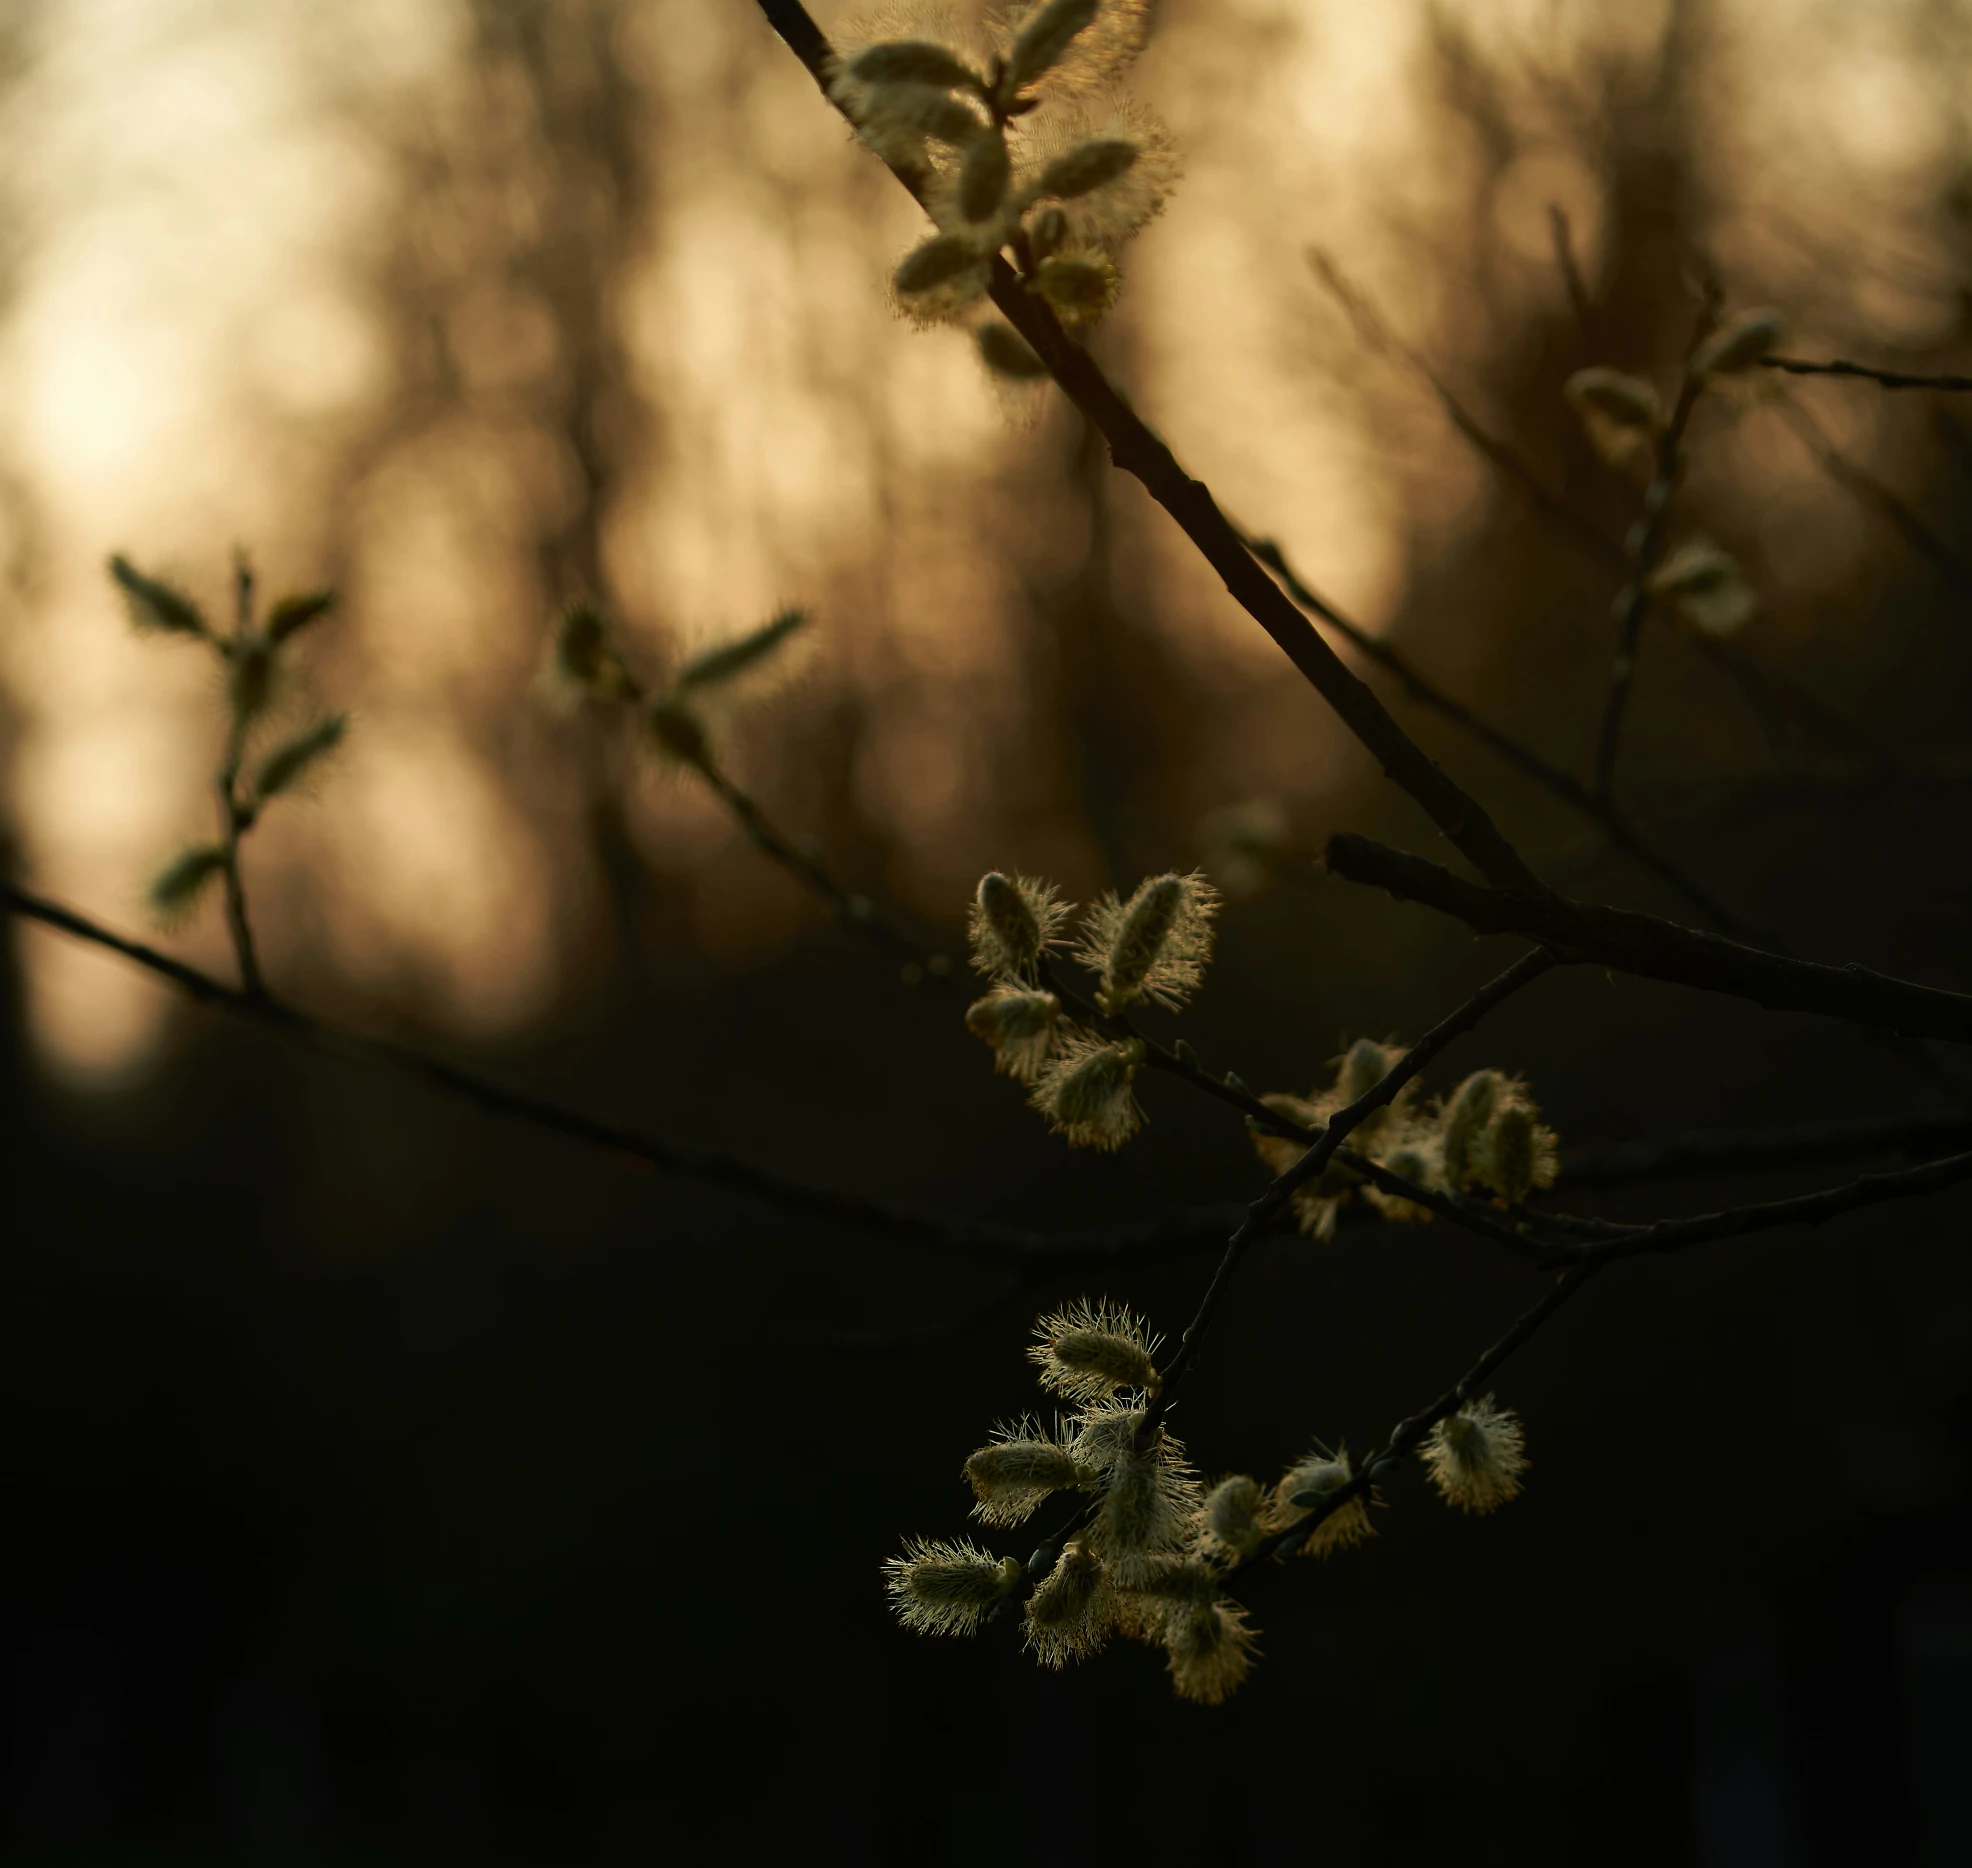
<point x="1272" y="1204"/>
<point x="1883" y="379"/>
<point x="1655" y="949"/>
<point x="1717" y="1151"/>
<point x="1136" y="450"/>
<point x="979" y="1240"/>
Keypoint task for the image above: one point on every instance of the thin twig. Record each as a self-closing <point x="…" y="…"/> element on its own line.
<point x="1603" y="812"/>
<point x="1564" y="260"/>
<point x="1277" y="1198"/>
<point x="979" y="1240"/>
<point x="1408" y="1435"/>
<point x="1720" y="1151"/>
<point x="1633" y="600"/>
<point x="1869" y="491"/>
<point x="1657" y="949"/>
<point x="1883" y="379"/>
<point x="1808" y="1209"/>
<point x="234" y="818"/>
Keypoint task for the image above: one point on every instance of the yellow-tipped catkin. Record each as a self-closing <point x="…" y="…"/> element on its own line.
<point x="1210" y="1649"/>
<point x="1739" y="343"/>
<point x="1148" y="1500"/>
<point x="1088" y="1352"/>
<point x="1085" y="1092"/>
<point x="1317" y="1203"/>
<point x="1302" y="1490"/>
<point x="1362" y="1067"/>
<point x="1014" y="921"/>
<point x="1154" y="946"/>
<point x="1080" y="286"/>
<point x="1020" y="1467"/>
<point x="1236" y="1515"/>
<point x="1073" y="1611"/>
<point x="1476" y="1456"/>
<point x="1516" y="1154"/>
<point x="1020" y="1025"/>
<point x="946" y="1588"/>
<point x="1463" y="1121"/>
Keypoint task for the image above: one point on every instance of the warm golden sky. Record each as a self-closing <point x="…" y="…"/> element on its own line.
<point x="199" y="351"/>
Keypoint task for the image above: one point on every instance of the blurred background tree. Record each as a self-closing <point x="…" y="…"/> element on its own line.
<point x="392" y="1482"/>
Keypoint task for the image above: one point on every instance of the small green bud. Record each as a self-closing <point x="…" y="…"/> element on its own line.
<point x="289" y="763"/>
<point x="296" y="612"/>
<point x="176" y="890"/>
<point x="154" y="604"/>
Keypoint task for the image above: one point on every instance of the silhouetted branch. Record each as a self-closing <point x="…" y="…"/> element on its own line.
<point x="1408" y="1435"/>
<point x="1657" y="949"/>
<point x="1277" y="1198"/>
<point x="1633" y="600"/>
<point x="1883" y="379"/>
<point x="1864" y="487"/>
<point x="1716" y="1151"/>
<point x="980" y="1240"/>
<point x="1137" y="451"/>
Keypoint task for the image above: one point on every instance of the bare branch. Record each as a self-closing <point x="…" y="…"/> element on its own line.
<point x="1883" y="379"/>
<point x="1657" y="949"/>
<point x="1136" y="450"/>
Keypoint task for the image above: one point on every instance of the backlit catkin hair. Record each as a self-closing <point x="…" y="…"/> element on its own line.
<point x="1022" y="1026"/>
<point x="1154" y="946"/>
<point x="1088" y="1352"/>
<point x="1147" y="1499"/>
<point x="1015" y="920"/>
<point x="1085" y="1092"/>
<point x="1476" y="1456"/>
<point x="1073" y="1611"/>
<point x="946" y="1588"/>
<point x="1210" y="1649"/>
<point x="1306" y="1486"/>
<point x="1017" y="1470"/>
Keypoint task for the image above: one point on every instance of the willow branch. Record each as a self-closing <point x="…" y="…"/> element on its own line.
<point x="978" y="1240"/>
<point x="1633" y="601"/>
<point x="1278" y="1197"/>
<point x="1716" y="1151"/>
<point x="1408" y="1435"/>
<point x="1656" y="949"/>
<point x="1883" y="379"/>
<point x="1137" y="451"/>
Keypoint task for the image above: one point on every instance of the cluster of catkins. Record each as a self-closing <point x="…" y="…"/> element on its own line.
<point x="1018" y="143"/>
<point x="1150" y="949"/>
<point x="1486" y="1136"/>
<point x="1625" y="421"/>
<point x="254" y="656"/>
<point x="1149" y="1551"/>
